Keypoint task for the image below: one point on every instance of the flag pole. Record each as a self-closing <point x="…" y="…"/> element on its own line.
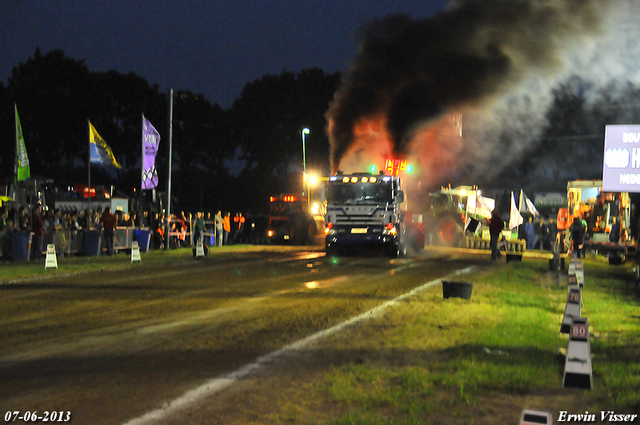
<point x="15" y="163"/>
<point x="89" y="167"/>
<point x="168" y="213"/>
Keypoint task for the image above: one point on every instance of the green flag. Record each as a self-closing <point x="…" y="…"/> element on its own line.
<point x="23" y="171"/>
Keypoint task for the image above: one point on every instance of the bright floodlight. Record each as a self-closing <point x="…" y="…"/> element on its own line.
<point x="305" y="130"/>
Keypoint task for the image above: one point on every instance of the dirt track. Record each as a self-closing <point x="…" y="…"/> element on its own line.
<point x="111" y="346"/>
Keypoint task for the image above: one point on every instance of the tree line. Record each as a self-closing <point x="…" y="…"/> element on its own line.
<point x="230" y="159"/>
<point x="236" y="158"/>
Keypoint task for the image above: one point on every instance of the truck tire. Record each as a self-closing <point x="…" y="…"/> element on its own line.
<point x="447" y="232"/>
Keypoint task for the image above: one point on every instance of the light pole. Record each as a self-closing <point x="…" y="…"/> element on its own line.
<point x="304" y="159"/>
<point x="167" y="223"/>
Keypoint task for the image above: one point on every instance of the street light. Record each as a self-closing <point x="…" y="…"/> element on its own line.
<point x="304" y="158"/>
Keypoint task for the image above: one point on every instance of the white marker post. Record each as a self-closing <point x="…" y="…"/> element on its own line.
<point x="135" y="252"/>
<point x="572" y="309"/>
<point x="577" y="368"/>
<point x="199" y="249"/>
<point x="535" y="417"/>
<point x="51" y="262"/>
<point x="579" y="272"/>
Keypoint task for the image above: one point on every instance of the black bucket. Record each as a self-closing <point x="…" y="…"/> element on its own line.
<point x="456" y="289"/>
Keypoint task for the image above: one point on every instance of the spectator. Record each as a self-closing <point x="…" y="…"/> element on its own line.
<point x="109" y="222"/>
<point x="614" y="235"/>
<point x="238" y="223"/>
<point x="199" y="227"/>
<point x="226" y="226"/>
<point x="3" y="218"/>
<point x="495" y="230"/>
<point x="530" y="233"/>
<point x="158" y="231"/>
<point x="210" y="230"/>
<point x="577" y="235"/>
<point x="219" y="228"/>
<point x="37" y="227"/>
<point x="543" y="235"/>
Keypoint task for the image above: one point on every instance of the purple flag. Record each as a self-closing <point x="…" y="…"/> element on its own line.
<point x="150" y="142"/>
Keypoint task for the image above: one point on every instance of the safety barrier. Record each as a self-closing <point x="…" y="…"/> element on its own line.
<point x="72" y="242"/>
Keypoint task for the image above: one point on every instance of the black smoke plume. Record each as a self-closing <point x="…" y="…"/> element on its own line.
<point x="411" y="71"/>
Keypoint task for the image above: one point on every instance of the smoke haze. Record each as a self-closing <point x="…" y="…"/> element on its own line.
<point x="494" y="62"/>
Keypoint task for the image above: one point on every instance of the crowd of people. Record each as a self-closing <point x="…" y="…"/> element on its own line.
<point x="213" y="229"/>
<point x="544" y="234"/>
<point x="185" y="229"/>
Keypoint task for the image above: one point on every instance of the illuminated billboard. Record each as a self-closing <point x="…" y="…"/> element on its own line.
<point x="621" y="167"/>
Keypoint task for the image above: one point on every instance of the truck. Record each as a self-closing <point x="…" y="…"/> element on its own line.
<point x="294" y="220"/>
<point x="586" y="199"/>
<point x="365" y="211"/>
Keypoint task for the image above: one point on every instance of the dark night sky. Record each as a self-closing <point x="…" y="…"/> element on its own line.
<point x="206" y="46"/>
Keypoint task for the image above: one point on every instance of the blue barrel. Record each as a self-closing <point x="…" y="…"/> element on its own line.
<point x="92" y="241"/>
<point x="143" y="237"/>
<point x="21" y="246"/>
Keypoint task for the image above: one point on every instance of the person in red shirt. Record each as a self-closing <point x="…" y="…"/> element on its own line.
<point x="37" y="227"/>
<point x="108" y="222"/>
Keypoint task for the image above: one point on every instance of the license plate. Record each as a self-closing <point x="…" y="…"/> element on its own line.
<point x="286" y="237"/>
<point x="359" y="230"/>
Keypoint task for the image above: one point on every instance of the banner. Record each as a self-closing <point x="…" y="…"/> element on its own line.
<point x="100" y="152"/>
<point x="23" y="171"/>
<point x="621" y="167"/>
<point x="515" y="219"/>
<point x="150" y="142"/>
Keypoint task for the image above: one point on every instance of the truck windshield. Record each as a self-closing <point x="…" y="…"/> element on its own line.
<point x="359" y="193"/>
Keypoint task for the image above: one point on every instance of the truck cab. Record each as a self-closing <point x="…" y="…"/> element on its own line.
<point x="292" y="220"/>
<point x="365" y="210"/>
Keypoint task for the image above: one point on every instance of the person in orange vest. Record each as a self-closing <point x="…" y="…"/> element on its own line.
<point x="226" y="226"/>
<point x="238" y="227"/>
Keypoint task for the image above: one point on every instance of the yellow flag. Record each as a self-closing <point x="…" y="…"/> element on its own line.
<point x="103" y="154"/>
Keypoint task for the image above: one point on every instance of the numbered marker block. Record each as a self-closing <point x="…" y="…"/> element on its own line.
<point x="577" y="370"/>
<point x="572" y="309"/>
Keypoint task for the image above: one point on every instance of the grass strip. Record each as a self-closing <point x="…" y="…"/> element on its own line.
<point x="484" y="360"/>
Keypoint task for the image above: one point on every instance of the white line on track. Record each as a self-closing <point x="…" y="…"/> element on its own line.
<point x="216" y="385"/>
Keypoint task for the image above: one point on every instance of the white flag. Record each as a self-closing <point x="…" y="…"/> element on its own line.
<point x="527" y="205"/>
<point x="515" y="219"/>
